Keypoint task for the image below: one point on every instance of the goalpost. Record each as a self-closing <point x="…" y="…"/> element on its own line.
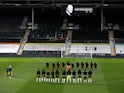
<point x="78" y="52"/>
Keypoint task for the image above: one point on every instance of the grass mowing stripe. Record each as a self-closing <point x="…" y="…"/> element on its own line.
<point x="32" y="86"/>
<point x="101" y="72"/>
<point x="22" y="73"/>
<point x="89" y="88"/>
<point x="107" y="79"/>
<point x="27" y="71"/>
<point x="113" y="71"/>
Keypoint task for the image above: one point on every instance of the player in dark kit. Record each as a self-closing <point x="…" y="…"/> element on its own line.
<point x="57" y="76"/>
<point x="58" y="65"/>
<point x="63" y="76"/>
<point x="38" y="79"/>
<point x="43" y="76"/>
<point x="77" y="63"/>
<point x="48" y="76"/>
<point x="79" y="76"/>
<point x="47" y="65"/>
<point x="72" y="65"/>
<point x="63" y="64"/>
<point x="82" y="65"/>
<point x="91" y="65"/>
<point x="86" y="65"/>
<point x="52" y="76"/>
<point x="74" y="76"/>
<point x="85" y="76"/>
<point x="95" y="65"/>
<point x="90" y="76"/>
<point x="69" y="75"/>
<point x="53" y="65"/>
<point x="68" y="63"/>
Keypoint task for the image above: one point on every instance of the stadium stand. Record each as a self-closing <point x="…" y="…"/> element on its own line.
<point x="46" y="32"/>
<point x="49" y="23"/>
<point x="46" y="29"/>
<point x="9" y="28"/>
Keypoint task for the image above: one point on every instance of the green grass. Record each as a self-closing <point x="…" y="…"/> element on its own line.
<point x="109" y="77"/>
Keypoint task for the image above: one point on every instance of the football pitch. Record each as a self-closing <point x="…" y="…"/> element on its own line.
<point x="108" y="78"/>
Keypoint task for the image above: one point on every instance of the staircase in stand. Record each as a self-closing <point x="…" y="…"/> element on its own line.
<point x="68" y="42"/>
<point x="23" y="42"/>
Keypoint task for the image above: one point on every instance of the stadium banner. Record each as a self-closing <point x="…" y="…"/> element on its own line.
<point x="9" y="47"/>
<point x="78" y="10"/>
<point x="77" y="48"/>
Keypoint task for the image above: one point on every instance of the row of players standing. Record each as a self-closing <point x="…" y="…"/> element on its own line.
<point x="67" y="74"/>
<point x="83" y="65"/>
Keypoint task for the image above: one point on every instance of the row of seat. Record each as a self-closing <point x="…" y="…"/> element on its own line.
<point x="48" y="27"/>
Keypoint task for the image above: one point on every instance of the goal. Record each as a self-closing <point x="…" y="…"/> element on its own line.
<point x="78" y="52"/>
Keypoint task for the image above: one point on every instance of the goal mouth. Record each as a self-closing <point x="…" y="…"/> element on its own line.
<point x="77" y="55"/>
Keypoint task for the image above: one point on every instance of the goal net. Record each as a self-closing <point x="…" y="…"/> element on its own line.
<point x="78" y="52"/>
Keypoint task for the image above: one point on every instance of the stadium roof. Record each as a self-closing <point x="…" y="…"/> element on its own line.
<point x="59" y="3"/>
